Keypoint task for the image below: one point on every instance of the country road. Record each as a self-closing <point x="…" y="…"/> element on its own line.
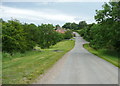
<point x="80" y="67"/>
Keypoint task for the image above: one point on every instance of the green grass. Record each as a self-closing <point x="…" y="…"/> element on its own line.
<point x="25" y="68"/>
<point x="0" y="67"/>
<point x="108" y="55"/>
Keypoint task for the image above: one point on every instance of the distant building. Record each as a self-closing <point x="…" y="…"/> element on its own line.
<point x="61" y="30"/>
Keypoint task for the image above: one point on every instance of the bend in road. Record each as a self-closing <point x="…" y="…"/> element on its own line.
<point x="80" y="67"/>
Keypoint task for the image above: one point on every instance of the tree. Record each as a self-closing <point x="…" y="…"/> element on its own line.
<point x="13" y="36"/>
<point x="1" y="20"/>
<point x="106" y="33"/>
<point x="67" y="25"/>
<point x="18" y="37"/>
<point x="68" y="34"/>
<point x="32" y="35"/>
<point x="82" y="24"/>
<point x="74" y="26"/>
<point x="57" y="26"/>
<point x="71" y="26"/>
<point x="109" y="25"/>
<point x="47" y="37"/>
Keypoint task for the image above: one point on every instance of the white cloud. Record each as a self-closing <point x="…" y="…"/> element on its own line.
<point x="47" y="16"/>
<point x="55" y="0"/>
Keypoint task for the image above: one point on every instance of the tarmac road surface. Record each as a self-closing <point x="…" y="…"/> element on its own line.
<point x="80" y="67"/>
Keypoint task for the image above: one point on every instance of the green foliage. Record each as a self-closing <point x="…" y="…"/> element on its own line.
<point x="105" y="34"/>
<point x="82" y="24"/>
<point x="57" y="26"/>
<point x="74" y="26"/>
<point x="13" y="36"/>
<point x="32" y="35"/>
<point x="18" y="37"/>
<point x="6" y="55"/>
<point x="67" y="25"/>
<point x="1" y="34"/>
<point x="109" y="25"/>
<point x="48" y="36"/>
<point x="68" y="35"/>
<point x="86" y="32"/>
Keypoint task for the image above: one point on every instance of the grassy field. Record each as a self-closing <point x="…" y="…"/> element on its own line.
<point x="25" y="68"/>
<point x="110" y="56"/>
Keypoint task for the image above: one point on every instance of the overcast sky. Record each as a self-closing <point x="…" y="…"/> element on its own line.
<point x="50" y="12"/>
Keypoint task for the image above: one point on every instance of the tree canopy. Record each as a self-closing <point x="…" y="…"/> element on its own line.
<point x="18" y="37"/>
<point x="106" y="33"/>
<point x="74" y="26"/>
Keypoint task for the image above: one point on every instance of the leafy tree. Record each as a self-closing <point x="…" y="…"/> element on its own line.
<point x="71" y="26"/>
<point x="67" y="25"/>
<point x="57" y="26"/>
<point x="68" y="34"/>
<point x="82" y="24"/>
<point x="1" y="34"/>
<point x="13" y="36"/>
<point x="104" y="34"/>
<point x="74" y="26"/>
<point x="109" y="19"/>
<point x="18" y="37"/>
<point x="47" y="37"/>
<point x="32" y="35"/>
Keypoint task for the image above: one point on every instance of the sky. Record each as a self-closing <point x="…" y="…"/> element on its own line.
<point x="50" y="12"/>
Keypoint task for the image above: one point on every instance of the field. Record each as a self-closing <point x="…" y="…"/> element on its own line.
<point x="25" y="68"/>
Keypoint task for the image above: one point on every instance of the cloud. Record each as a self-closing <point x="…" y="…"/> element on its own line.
<point x="36" y="15"/>
<point x="41" y="16"/>
<point x="56" y="0"/>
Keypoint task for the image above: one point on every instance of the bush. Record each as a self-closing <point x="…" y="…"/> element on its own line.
<point x="68" y="35"/>
<point x="6" y="55"/>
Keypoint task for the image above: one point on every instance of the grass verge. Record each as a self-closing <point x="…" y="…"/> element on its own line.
<point x="0" y="68"/>
<point x="108" y="55"/>
<point x="25" y="68"/>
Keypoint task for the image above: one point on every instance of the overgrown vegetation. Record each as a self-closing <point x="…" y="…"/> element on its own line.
<point x="25" y="68"/>
<point x="106" y="33"/>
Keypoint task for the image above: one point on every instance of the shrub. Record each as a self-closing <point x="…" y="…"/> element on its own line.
<point x="68" y="35"/>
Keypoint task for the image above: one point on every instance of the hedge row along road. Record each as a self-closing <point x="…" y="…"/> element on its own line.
<point x="80" y="67"/>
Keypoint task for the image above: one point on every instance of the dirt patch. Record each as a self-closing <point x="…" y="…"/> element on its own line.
<point x="57" y="50"/>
